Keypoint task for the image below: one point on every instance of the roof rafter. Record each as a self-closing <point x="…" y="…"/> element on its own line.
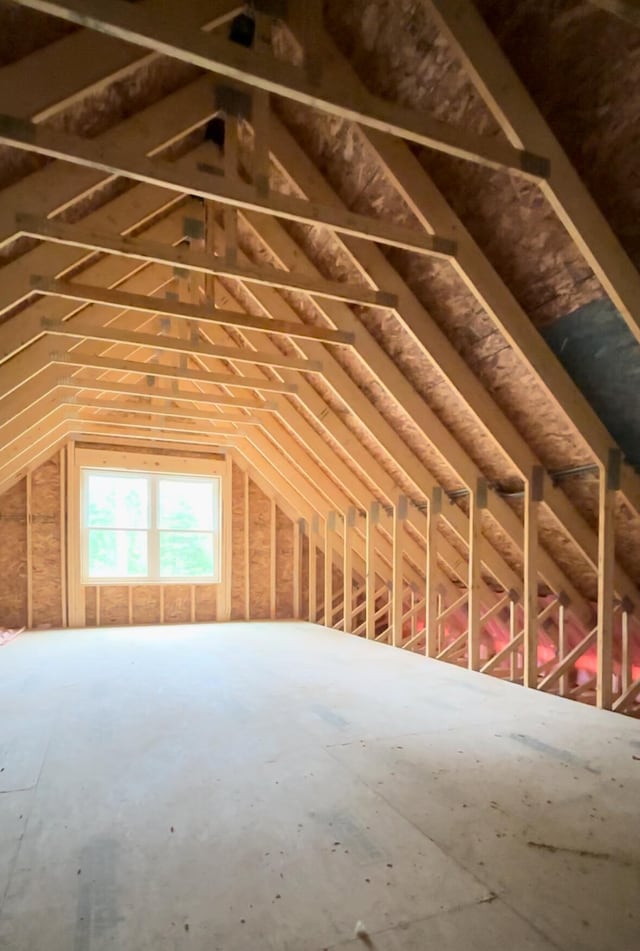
<point x="523" y="123"/>
<point x="123" y="300"/>
<point x="172" y="37"/>
<point x="175" y="177"/>
<point x="198" y="261"/>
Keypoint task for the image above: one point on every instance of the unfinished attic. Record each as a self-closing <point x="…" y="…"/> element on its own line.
<point x="323" y="319"/>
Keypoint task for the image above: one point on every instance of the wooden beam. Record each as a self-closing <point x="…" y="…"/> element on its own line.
<point x="533" y="492"/>
<point x="525" y="127"/>
<point x="569" y="660"/>
<point x="349" y="521"/>
<point x="329" y="528"/>
<point x="208" y="314"/>
<point x="35" y="87"/>
<point x="477" y="502"/>
<point x="247" y="556"/>
<point x="427" y="203"/>
<point x="29" y="547"/>
<point x="168" y="412"/>
<point x="626" y="660"/>
<point x="298" y="532"/>
<point x="273" y="555"/>
<point x="160" y="370"/>
<point x="431" y="562"/>
<point x="169" y="36"/>
<point x="149" y="391"/>
<point x="609" y="483"/>
<point x="313" y="559"/>
<point x="84" y="330"/>
<point x="563" y="641"/>
<point x="373" y="516"/>
<point x="58" y="145"/>
<point x="397" y="581"/>
<point x="62" y="501"/>
<point x="199" y="262"/>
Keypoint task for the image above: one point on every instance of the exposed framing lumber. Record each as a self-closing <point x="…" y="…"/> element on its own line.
<point x="88" y="361"/>
<point x="608" y="484"/>
<point x="169" y="412"/>
<point x="514" y="109"/>
<point x="431" y="560"/>
<point x="273" y="555"/>
<point x="373" y="515"/>
<point x="429" y="206"/>
<point x="189" y="347"/>
<point x="124" y="300"/>
<point x="34" y="87"/>
<point x="298" y="532"/>
<point x="397" y="578"/>
<point x="29" y="546"/>
<point x="170" y="37"/>
<point x="517" y="641"/>
<point x="477" y="502"/>
<point x="569" y="660"/>
<point x="148" y="391"/>
<point x="57" y="145"/>
<point x="246" y="552"/>
<point x="329" y="528"/>
<point x="313" y="577"/>
<point x="62" y="501"/>
<point x="533" y="494"/>
<point x="198" y="262"/>
<point x="349" y="520"/>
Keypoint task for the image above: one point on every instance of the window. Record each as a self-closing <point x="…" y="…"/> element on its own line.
<point x="150" y="527"/>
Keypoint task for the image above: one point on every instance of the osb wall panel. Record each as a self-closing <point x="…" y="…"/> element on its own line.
<point x="238" y="562"/>
<point x="284" y="565"/>
<point x="46" y="550"/>
<point x="13" y="556"/>
<point x="114" y="605"/>
<point x="177" y="603"/>
<point x="206" y="603"/>
<point x="140" y="603"/>
<point x="259" y="552"/>
<point x="145" y="603"/>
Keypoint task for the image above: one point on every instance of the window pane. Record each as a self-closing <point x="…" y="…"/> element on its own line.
<point x="186" y="555"/>
<point x="186" y="505"/>
<point x="115" y="501"/>
<point x="115" y="554"/>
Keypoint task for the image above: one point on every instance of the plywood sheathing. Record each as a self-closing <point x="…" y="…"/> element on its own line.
<point x="448" y="301"/>
<point x="46" y="544"/>
<point x="13" y="556"/>
<point x="124" y="99"/>
<point x="114" y="605"/>
<point x="547" y="279"/>
<point x="284" y="564"/>
<point x="145" y="603"/>
<point x="595" y="114"/>
<point x="259" y="554"/>
<point x="238" y="579"/>
<point x="397" y="47"/>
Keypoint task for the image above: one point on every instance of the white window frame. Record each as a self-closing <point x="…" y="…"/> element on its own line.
<point x="152" y="532"/>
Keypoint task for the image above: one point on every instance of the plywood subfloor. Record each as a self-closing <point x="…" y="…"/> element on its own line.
<point x="266" y="786"/>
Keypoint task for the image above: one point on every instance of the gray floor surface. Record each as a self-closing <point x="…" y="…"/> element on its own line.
<point x="267" y="786"/>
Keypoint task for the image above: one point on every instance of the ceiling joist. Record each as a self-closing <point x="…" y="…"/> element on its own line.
<point x="200" y="262"/>
<point x="227" y="190"/>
